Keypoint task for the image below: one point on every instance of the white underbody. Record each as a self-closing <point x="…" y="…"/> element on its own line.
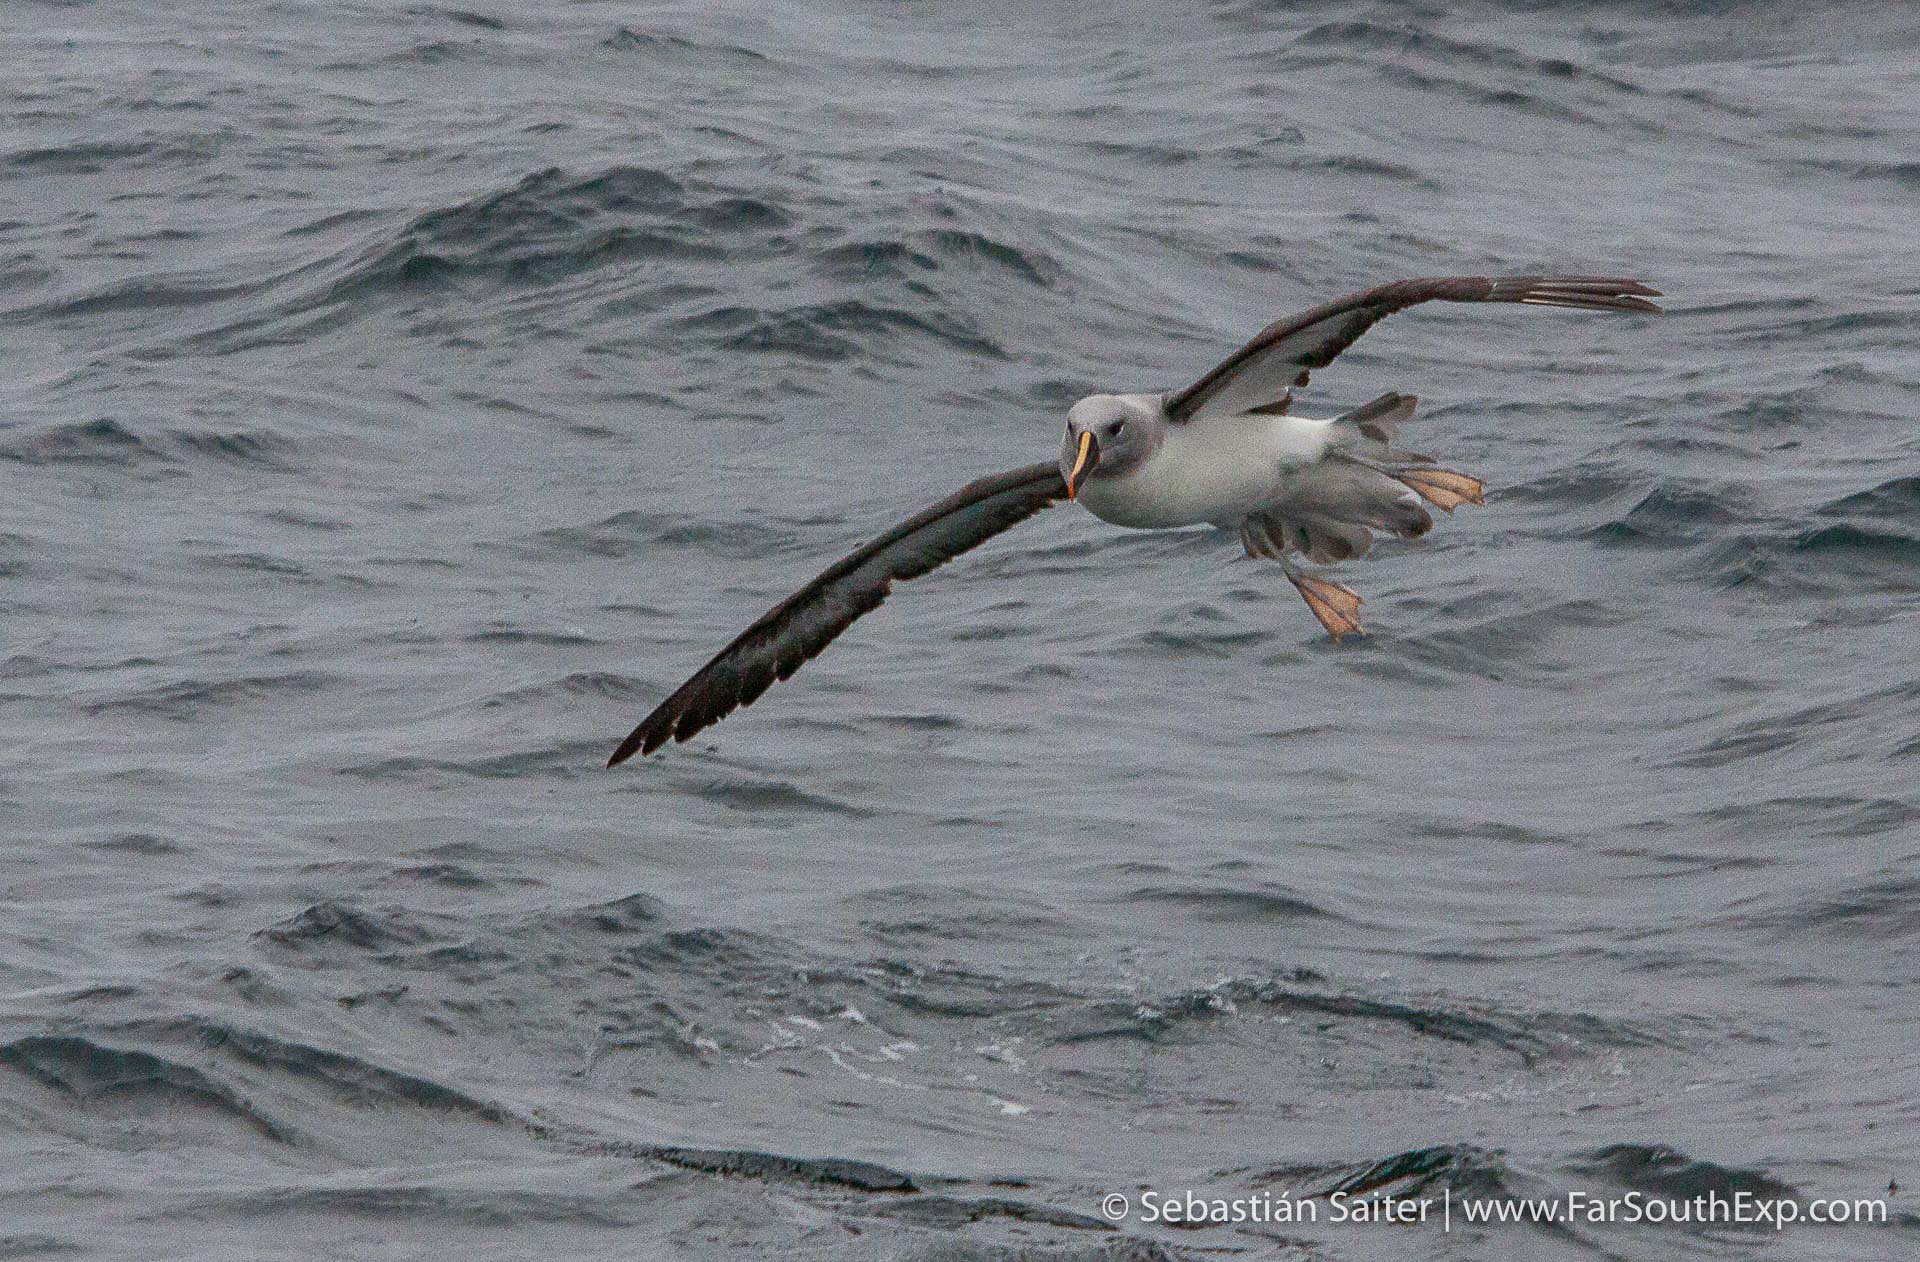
<point x="1214" y="472"/>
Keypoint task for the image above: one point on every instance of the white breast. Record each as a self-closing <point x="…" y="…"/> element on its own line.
<point x="1215" y="470"/>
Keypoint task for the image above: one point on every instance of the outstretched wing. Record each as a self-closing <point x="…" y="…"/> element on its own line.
<point x="1280" y="357"/>
<point x="797" y="628"/>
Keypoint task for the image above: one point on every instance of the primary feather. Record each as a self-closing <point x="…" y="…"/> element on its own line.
<point x="1281" y="356"/>
<point x="793" y="631"/>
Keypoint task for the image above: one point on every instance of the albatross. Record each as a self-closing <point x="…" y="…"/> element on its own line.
<point x="1226" y="451"/>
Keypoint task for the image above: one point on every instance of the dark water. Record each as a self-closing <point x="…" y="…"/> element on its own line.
<point x="395" y="401"/>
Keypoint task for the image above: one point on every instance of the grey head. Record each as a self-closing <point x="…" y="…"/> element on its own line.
<point x="1110" y="436"/>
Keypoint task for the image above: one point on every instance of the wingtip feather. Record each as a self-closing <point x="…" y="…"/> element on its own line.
<point x="1593" y="293"/>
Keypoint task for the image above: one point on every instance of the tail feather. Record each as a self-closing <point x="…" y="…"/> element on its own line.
<point x="1347" y="490"/>
<point x="1364" y="484"/>
<point x="1323" y="541"/>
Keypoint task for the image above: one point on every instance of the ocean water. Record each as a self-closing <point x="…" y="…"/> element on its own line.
<point x="397" y="401"/>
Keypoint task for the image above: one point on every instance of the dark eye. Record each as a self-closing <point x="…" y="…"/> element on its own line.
<point x="1116" y="429"/>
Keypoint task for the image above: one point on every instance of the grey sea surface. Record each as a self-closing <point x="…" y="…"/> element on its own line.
<point x="397" y="401"/>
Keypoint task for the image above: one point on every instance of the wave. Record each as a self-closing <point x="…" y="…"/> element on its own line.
<point x="99" y="442"/>
<point x="922" y="914"/>
<point x="601" y="684"/>
<point x="1503" y="98"/>
<point x="627" y="39"/>
<point x="774" y="796"/>
<point x="845" y="329"/>
<point x="109" y="443"/>
<point x="191" y="698"/>
<point x="1881" y="909"/>
<point x="464" y="17"/>
<point x="337" y="924"/>
<point x="349" y="1079"/>
<point x="1232" y="904"/>
<point x="140" y="296"/>
<point x="548" y="226"/>
<point x="420" y="1206"/>
<point x="567" y="761"/>
<point x="1867" y="542"/>
<point x="862" y="1176"/>
<point x="542" y="230"/>
<point x="933" y="250"/>
<point x="92" y="157"/>
<point x="1531" y="1037"/>
<point x="1897" y="498"/>
<point x="1676" y="513"/>
<point x="564" y="246"/>
<point x="233" y="1070"/>
<point x="1770" y="734"/>
<point x="1904" y="174"/>
<point x="1429" y="44"/>
<point x="99" y="1076"/>
<point x="1670" y="1173"/>
<point x="637" y="533"/>
<point x="543" y="639"/>
<point x="1466" y="1169"/>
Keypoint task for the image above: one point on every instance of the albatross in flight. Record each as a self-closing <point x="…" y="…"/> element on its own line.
<point x="1224" y="451"/>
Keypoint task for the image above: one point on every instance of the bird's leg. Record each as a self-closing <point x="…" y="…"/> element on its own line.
<point x="1337" y="608"/>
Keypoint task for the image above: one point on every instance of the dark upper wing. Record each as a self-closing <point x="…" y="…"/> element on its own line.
<point x="807" y="621"/>
<point x="1278" y="359"/>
